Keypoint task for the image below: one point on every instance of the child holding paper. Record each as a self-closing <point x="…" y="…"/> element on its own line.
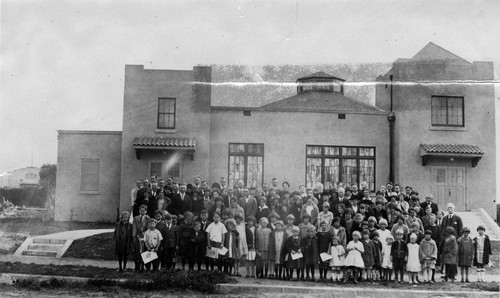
<point x="216" y="232"/>
<point x="152" y="240"/>
<point x="292" y="246"/>
<point x="309" y="248"/>
<point x="337" y="261"/>
<point x="324" y="240"/>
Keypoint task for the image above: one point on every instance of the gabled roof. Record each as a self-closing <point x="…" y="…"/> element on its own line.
<point x="310" y="101"/>
<point x="319" y="75"/>
<point x="434" y="52"/>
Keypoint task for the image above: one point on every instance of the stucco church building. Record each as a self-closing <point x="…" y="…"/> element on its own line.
<point x="432" y="127"/>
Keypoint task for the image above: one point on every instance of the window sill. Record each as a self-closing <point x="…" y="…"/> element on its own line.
<point x="90" y="192"/>
<point x="447" y="128"/>
<point x="164" y="130"/>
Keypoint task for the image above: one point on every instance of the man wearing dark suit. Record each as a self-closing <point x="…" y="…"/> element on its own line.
<point x="238" y="192"/>
<point x="183" y="201"/>
<point x="429" y="202"/>
<point x="248" y="203"/>
<point x="452" y="220"/>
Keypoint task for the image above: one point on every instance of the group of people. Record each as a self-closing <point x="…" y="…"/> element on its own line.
<point x="275" y="232"/>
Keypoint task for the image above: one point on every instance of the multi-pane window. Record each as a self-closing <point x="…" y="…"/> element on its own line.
<point x="166" y="113"/>
<point x="332" y="165"/>
<point x="168" y="168"/>
<point x="155" y="169"/>
<point x="447" y="111"/>
<point x="246" y="162"/>
<point x="90" y="175"/>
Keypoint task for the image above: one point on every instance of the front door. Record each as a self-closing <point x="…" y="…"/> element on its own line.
<point x="448" y="185"/>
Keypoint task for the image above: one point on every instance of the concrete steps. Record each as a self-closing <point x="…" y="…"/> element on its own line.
<point x="43" y="247"/>
<point x="476" y="217"/>
<point x="53" y="245"/>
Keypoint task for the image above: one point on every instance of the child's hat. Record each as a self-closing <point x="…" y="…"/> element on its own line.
<point x="428" y="232"/>
<point x="480" y="228"/>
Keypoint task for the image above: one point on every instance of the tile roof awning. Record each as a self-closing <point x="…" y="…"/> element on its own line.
<point x="158" y="143"/>
<point x="472" y="152"/>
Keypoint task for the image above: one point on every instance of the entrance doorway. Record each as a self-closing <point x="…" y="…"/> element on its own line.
<point x="449" y="185"/>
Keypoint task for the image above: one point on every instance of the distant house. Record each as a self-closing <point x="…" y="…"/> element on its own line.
<point x="316" y="135"/>
<point x="24" y="177"/>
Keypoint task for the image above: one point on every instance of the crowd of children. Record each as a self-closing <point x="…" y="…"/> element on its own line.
<point x="359" y="239"/>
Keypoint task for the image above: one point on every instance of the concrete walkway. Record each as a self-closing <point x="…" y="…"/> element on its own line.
<point x="54" y="245"/>
<point x="114" y="264"/>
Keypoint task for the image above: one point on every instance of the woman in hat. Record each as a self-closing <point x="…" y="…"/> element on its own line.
<point x="218" y="207"/>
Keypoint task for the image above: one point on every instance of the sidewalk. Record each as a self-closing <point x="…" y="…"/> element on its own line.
<point x="114" y="264"/>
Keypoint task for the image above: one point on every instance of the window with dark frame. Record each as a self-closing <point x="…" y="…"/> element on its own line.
<point x="166" y="113"/>
<point x="331" y="165"/>
<point x="447" y="111"/>
<point x="90" y="174"/>
<point x="155" y="169"/>
<point x="246" y="162"/>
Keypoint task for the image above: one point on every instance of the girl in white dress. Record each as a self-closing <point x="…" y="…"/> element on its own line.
<point x="242" y="243"/>
<point x="386" y="258"/>
<point x="337" y="262"/>
<point x="413" y="266"/>
<point x="354" y="258"/>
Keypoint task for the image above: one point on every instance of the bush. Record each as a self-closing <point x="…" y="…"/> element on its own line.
<point x="486" y="286"/>
<point x="30" y="197"/>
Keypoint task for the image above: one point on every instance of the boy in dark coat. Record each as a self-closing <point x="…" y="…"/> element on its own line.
<point x="309" y="247"/>
<point x="399" y="256"/>
<point x="170" y="241"/>
<point x="197" y="247"/>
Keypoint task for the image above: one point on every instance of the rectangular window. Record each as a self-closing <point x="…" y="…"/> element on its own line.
<point x="447" y="111"/>
<point x="90" y="174"/>
<point x="166" y="113"/>
<point x="155" y="169"/>
<point x="246" y="162"/>
<point x="332" y="165"/>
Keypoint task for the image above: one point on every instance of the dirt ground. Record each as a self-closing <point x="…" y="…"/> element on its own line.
<point x="35" y="227"/>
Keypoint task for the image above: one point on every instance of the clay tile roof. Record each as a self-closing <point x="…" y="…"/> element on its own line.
<point x="452" y="148"/>
<point x="165" y="142"/>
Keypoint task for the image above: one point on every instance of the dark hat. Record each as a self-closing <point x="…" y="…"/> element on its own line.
<point x="428" y="232"/>
<point x="480" y="228"/>
<point x="353" y="198"/>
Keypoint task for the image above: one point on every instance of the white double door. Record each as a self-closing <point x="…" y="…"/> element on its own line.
<point x="449" y="185"/>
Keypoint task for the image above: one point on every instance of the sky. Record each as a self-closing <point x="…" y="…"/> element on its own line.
<point x="62" y="62"/>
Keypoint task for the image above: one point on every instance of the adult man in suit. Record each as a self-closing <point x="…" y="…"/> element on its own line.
<point x="183" y="201"/>
<point x="238" y="192"/>
<point x="429" y="202"/>
<point x="452" y="220"/>
<point x="248" y="203"/>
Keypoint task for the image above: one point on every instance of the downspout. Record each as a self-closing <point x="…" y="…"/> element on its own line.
<point x="391" y="118"/>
